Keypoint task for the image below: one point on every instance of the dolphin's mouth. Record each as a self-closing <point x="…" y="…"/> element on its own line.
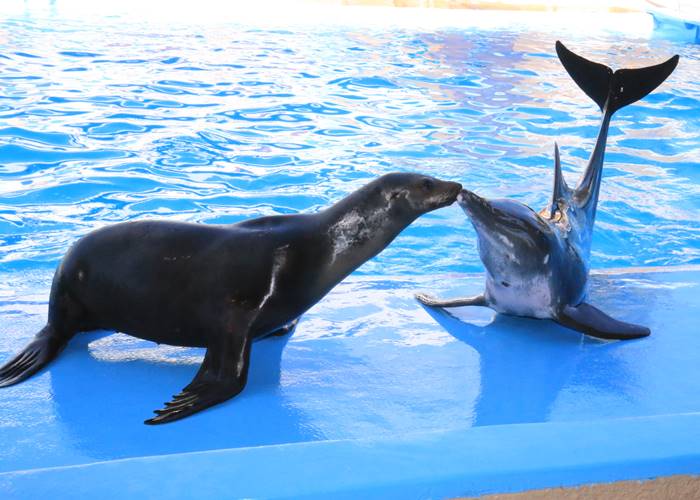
<point x="468" y="200"/>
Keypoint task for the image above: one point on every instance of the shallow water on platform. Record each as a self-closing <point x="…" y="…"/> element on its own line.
<point x="366" y="362"/>
<point x="111" y="119"/>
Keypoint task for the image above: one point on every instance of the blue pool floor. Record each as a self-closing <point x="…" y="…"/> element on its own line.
<point x="372" y="395"/>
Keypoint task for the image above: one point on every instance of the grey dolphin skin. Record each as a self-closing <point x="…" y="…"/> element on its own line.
<point x="220" y="287"/>
<point x="537" y="263"/>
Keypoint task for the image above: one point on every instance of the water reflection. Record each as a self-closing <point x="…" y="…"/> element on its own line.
<point x="526" y="363"/>
<point x="101" y="399"/>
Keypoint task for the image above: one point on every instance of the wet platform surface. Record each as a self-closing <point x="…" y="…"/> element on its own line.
<point x="461" y="403"/>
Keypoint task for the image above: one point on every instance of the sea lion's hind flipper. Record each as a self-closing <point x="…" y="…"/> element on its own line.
<point x="430" y="301"/>
<point x="592" y="321"/>
<point x="223" y="374"/>
<point x="38" y="353"/>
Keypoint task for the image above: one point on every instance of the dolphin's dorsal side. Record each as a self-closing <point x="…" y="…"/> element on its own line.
<point x="560" y="191"/>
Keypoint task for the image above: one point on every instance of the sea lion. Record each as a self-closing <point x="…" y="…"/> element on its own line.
<point x="220" y="286"/>
<point x="537" y="264"/>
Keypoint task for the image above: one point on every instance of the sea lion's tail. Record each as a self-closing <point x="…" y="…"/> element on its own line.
<point x="37" y="354"/>
<point x="613" y="90"/>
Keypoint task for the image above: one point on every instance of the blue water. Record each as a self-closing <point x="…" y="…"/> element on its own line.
<point x="106" y="120"/>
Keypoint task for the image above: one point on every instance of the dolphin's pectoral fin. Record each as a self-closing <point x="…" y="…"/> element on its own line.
<point x="592" y="321"/>
<point x="431" y="301"/>
<point x="223" y="374"/>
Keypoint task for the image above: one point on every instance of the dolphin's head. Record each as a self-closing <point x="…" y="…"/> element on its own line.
<point x="514" y="241"/>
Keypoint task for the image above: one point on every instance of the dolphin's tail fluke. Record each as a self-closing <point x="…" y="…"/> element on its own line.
<point x="613" y="90"/>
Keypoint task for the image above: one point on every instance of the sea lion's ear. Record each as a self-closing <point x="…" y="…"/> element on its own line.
<point x="398" y="194"/>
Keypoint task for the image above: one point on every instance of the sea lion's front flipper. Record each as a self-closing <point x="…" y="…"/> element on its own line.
<point x="594" y="322"/>
<point x="431" y="301"/>
<point x="223" y="374"/>
<point x="286" y="329"/>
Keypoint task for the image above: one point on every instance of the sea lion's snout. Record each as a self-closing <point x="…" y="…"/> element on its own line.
<point x="453" y="189"/>
<point x="419" y="193"/>
<point x="449" y="192"/>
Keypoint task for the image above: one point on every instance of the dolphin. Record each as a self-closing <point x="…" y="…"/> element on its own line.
<point x="537" y="263"/>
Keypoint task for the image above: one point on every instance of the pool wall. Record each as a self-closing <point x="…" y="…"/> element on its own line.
<point x="442" y="464"/>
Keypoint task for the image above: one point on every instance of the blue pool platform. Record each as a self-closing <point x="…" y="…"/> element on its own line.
<point x="676" y="22"/>
<point x="373" y="396"/>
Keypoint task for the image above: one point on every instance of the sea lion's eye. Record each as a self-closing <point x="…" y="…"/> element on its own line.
<point x="428" y="184"/>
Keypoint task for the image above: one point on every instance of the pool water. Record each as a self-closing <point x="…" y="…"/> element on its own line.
<point x="104" y="121"/>
<point x="115" y="118"/>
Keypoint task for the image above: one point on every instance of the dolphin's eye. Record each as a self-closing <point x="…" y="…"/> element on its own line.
<point x="427" y="185"/>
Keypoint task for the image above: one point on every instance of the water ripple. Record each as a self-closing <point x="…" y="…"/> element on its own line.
<point x="102" y="123"/>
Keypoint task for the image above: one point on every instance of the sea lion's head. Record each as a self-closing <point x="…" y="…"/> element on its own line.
<point x="366" y="221"/>
<point x="415" y="194"/>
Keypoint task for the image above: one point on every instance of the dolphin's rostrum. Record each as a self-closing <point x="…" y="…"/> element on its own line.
<point x="537" y="264"/>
